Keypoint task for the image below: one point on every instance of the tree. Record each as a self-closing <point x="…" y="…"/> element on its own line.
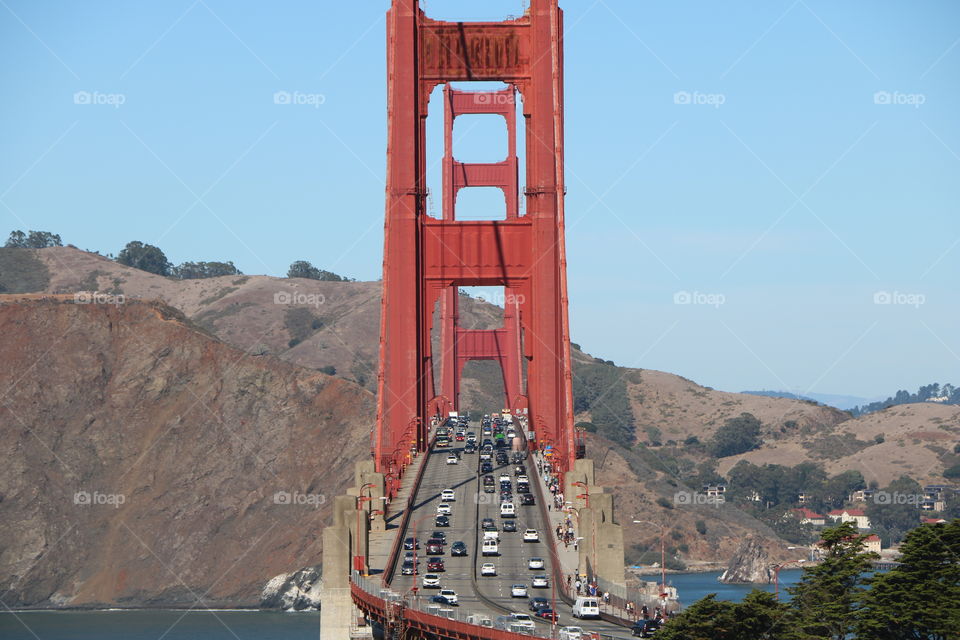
<point x="197" y="270"/>
<point x="737" y="435"/>
<point x="827" y="597"/>
<point x="33" y="240"/>
<point x="893" y="510"/>
<point x="303" y="269"/>
<point x="758" y="617"/>
<point x="920" y="598"/>
<point x="836" y="490"/>
<point x="145" y="257"/>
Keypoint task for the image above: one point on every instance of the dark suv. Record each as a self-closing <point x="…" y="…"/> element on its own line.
<point x="458" y="549"/>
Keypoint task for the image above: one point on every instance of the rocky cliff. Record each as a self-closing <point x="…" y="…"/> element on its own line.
<point x="146" y="463"/>
<point x="750" y="564"/>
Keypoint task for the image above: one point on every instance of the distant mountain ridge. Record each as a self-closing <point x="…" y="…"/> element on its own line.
<point x="838" y="401"/>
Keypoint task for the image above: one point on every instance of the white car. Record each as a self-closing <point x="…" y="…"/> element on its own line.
<point x="531" y="535"/>
<point x="570" y="633"/>
<point x="488" y="569"/>
<point x="504" y="477"/>
<point x="535" y="563"/>
<point x="518" y="591"/>
<point x="522" y="620"/>
<point x="448" y="495"/>
<point x="453" y="459"/>
<point x="450" y="595"/>
<point x="431" y="581"/>
<point x="443" y="509"/>
<point x="523" y="480"/>
<point x="540" y="582"/>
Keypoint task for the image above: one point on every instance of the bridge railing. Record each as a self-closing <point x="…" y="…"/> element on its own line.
<point x="419" y="612"/>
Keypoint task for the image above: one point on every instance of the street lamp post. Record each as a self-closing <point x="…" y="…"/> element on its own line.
<point x="663" y="562"/>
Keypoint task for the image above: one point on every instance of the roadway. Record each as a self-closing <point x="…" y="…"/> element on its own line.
<point x="489" y="596"/>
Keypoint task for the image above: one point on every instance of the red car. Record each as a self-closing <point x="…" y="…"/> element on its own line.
<point x="460" y="437"/>
<point x="546" y="614"/>
<point x="435" y="564"/>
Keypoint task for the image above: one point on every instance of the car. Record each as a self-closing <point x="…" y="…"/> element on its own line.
<point x="521" y="620"/>
<point x="458" y="549"/>
<point x="488" y="488"/>
<point x="521" y="471"/>
<point x="522" y="478"/>
<point x="531" y="535"/>
<point x="506" y="496"/>
<point x="488" y="479"/>
<point x="439" y="535"/>
<point x="504" y="478"/>
<point x="570" y="633"/>
<point x="486" y="467"/>
<point x="453" y="459"/>
<point x="411" y="543"/>
<point x="488" y="569"/>
<point x="441" y="600"/>
<point x="535" y="563"/>
<point x="436" y="564"/>
<point x="434" y="548"/>
<point x="538" y="603"/>
<point x="448" y="495"/>
<point x="460" y="437"/>
<point x="491" y="535"/>
<point x="527" y="500"/>
<point x="490" y="548"/>
<point x="502" y="457"/>
<point x="450" y="595"/>
<point x="509" y="526"/>
<point x="471" y="437"/>
<point x="523" y="488"/>
<point x="507" y="510"/>
<point x="444" y="509"/>
<point x="645" y="628"/>
<point x="410" y="556"/>
<point x="487" y="524"/>
<point x="407" y="568"/>
<point x="431" y="581"/>
<point x="442" y="521"/>
<point x="540" y="582"/>
<point x="470" y="448"/>
<point x="547" y="614"/>
<point x="518" y="591"/>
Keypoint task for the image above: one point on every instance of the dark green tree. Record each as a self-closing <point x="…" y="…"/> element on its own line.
<point x="758" y="617"/>
<point x="145" y="257"/>
<point x="737" y="435"/>
<point x="303" y="269"/>
<point x="33" y="240"/>
<point x="827" y="598"/>
<point x="197" y="270"/>
<point x="920" y="598"/>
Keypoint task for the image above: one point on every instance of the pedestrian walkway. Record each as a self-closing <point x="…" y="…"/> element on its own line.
<point x="381" y="542"/>
<point x="568" y="556"/>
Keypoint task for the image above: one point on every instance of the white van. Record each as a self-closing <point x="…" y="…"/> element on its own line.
<point x="490" y="548"/>
<point x="507" y="510"/>
<point x="586" y="607"/>
<point x="491" y="535"/>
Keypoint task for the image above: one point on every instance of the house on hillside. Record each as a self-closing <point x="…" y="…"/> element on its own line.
<point x="932" y="521"/>
<point x="862" y="495"/>
<point x="873" y="543"/>
<point x="933" y="505"/>
<point x="804" y="497"/>
<point x="808" y="516"/>
<point x="856" y="516"/>
<point x="714" y="490"/>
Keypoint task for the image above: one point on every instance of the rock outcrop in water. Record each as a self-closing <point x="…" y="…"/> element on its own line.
<point x="750" y="564"/>
<point x="298" y="591"/>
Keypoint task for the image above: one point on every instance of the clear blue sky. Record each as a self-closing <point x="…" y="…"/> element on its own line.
<point x="727" y="149"/>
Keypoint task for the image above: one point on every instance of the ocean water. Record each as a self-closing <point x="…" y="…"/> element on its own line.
<point x="154" y="625"/>
<point x="693" y="586"/>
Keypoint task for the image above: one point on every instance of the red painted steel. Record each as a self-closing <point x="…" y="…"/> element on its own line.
<point x="424" y="257"/>
<point x="459" y="346"/>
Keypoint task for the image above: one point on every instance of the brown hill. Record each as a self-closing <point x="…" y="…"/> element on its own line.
<point x="142" y="458"/>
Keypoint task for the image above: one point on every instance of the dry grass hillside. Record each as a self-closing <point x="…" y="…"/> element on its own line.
<point x="142" y="457"/>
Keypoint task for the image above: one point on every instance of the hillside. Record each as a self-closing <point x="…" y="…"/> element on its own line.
<point x="142" y="456"/>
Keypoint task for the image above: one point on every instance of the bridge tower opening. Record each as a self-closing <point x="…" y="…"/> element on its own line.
<point x="426" y="259"/>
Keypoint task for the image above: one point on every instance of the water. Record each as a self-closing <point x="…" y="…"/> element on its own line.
<point x="693" y="586"/>
<point x="152" y="625"/>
